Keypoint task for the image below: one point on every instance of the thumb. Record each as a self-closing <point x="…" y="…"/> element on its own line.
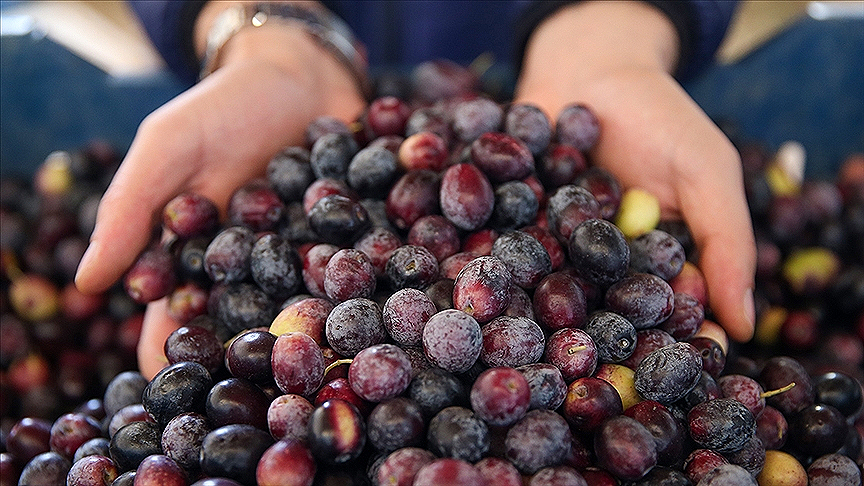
<point x="125" y="220"/>
<point x="716" y="213"/>
<point x="154" y="332"/>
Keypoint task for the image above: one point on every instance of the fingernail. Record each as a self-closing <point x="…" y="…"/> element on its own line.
<point x="86" y="258"/>
<point x="749" y="308"/>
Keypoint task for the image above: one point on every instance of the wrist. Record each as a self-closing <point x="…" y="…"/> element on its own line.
<point x="279" y="33"/>
<point x="590" y="41"/>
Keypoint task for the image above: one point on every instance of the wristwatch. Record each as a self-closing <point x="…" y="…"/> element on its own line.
<point x="325" y="27"/>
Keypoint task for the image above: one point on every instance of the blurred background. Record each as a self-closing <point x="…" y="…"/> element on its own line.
<point x="71" y="72"/>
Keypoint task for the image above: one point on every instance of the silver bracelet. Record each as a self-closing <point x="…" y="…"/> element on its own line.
<point x="325" y="27"/>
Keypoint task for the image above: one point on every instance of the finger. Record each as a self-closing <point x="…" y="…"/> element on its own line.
<point x="715" y="210"/>
<point x="125" y="220"/>
<point x="151" y="346"/>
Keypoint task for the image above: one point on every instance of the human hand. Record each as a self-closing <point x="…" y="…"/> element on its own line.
<point x="654" y="136"/>
<point x="210" y="140"/>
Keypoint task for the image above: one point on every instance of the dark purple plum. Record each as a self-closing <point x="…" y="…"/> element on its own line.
<point x="286" y="462"/>
<point x="559" y="302"/>
<point x="589" y="402"/>
<point x="452" y="340"/>
<point x="176" y="389"/>
<point x="434" y="389"/>
<point x="355" y="325"/>
<point x="644" y="299"/>
<point x="502" y="157"/>
<point x="331" y="154"/>
<point x="237" y="401"/>
<point x="339" y="220"/>
<point x="482" y="288"/>
<point x="297" y="363"/>
<point x="233" y="452"/>
<point x="405" y="314"/>
<point x="599" y="252"/>
<point x="573" y="352"/>
<point x="256" y="205"/>
<point x="722" y="424"/>
<point x="436" y="234"/>
<point x="458" y="433"/>
<point x="337" y="432"/>
<point x="524" y="256"/>
<point x="511" y="341"/>
<point x="380" y="372"/>
<point x="568" y="207"/>
<point x="411" y="266"/>
<point x="529" y="124"/>
<point x="540" y="439"/>
<point x="466" y="196"/>
<point x="613" y="335"/>
<point x="190" y="214"/>
<point x="349" y="274"/>
<point x="625" y="448"/>
<point x="182" y="438"/>
<point x="548" y="388"/>
<point x="577" y="125"/>
<point x="500" y="396"/>
<point x="395" y="423"/>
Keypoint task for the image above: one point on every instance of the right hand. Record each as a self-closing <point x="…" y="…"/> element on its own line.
<point x="211" y="139"/>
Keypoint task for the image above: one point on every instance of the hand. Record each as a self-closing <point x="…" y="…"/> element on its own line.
<point x="652" y="136"/>
<point x="211" y="139"/>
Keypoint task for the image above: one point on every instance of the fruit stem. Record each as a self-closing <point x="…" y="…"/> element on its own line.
<point x="576" y="349"/>
<point x="778" y="391"/>
<point x="338" y="362"/>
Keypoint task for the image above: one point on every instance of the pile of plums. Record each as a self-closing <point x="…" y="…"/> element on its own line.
<point x="445" y="292"/>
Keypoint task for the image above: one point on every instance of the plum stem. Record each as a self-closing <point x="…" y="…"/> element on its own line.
<point x="771" y="393"/>
<point x="338" y="362"/>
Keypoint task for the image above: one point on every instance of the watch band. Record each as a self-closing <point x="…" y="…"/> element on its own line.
<point x="325" y="27"/>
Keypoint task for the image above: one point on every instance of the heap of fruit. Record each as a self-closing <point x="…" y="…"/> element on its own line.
<point x="445" y="292"/>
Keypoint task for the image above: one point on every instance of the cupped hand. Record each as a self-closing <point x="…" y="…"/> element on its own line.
<point x="210" y="139"/>
<point x="654" y="136"/>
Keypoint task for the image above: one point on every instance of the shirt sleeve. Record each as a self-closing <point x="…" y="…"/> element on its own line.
<point x="700" y="24"/>
<point x="170" y="24"/>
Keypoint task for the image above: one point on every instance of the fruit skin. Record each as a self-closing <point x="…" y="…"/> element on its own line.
<point x="440" y="336"/>
<point x="337" y="432"/>
<point x="667" y="374"/>
<point x="599" y="251"/>
<point x="400" y="467"/>
<point x="809" y="271"/>
<point x="159" y="470"/>
<point x="721" y="424"/>
<point x="34" y="297"/>
<point x="500" y="396"/>
<point x="623" y="379"/>
<point x="834" y="470"/>
<point x="589" y="402"/>
<point x="625" y="448"/>
<point x="88" y="470"/>
<point x="466" y="196"/>
<point x="233" y="452"/>
<point x="380" y="372"/>
<point x="298" y="364"/>
<point x="541" y="438"/>
<point x="448" y="471"/>
<point x="781" y="469"/>
<point x="286" y="463"/>
<point x="459" y="433"/>
<point x="638" y="213"/>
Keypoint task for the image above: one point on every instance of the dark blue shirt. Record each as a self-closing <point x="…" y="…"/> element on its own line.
<point x="405" y="33"/>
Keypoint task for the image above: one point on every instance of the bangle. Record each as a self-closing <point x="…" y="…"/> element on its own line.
<point x="325" y="28"/>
